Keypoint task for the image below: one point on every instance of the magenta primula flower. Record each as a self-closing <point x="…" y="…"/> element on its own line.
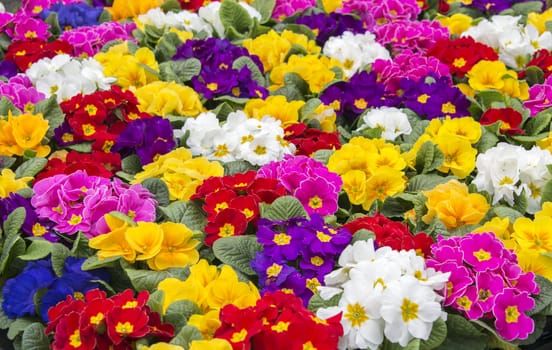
<point x="29" y="28"/>
<point x="483" y="251"/>
<point x="459" y="280"/>
<point x="468" y="303"/>
<point x="410" y="35"/>
<point x="317" y="196"/>
<point x="78" y="202"/>
<point x="286" y="8"/>
<point x="509" y="310"/>
<point x="89" y="40"/>
<point x="488" y="286"/>
<point x="377" y="12"/>
<point x="540" y="97"/>
<point x="21" y="92"/>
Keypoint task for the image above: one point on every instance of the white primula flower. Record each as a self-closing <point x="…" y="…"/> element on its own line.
<point x="185" y="20"/>
<point x="202" y="131"/>
<point x="409" y="310"/>
<point x="351" y="255"/>
<point x="354" y="50"/>
<point x="392" y="122"/>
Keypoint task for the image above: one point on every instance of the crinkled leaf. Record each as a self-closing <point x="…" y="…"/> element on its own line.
<point x="83" y="147"/>
<point x="521" y="202"/>
<point x="507" y="212"/>
<point x="238" y="252"/>
<point x="487" y="141"/>
<point x="6" y="162"/>
<point x="131" y="164"/>
<point x="488" y="97"/>
<point x="155" y="301"/>
<point x="187" y="213"/>
<point x="6" y="106"/>
<point x="539" y="122"/>
<point x="524" y="8"/>
<point x="265" y="8"/>
<point x="316" y="302"/>
<point x="363" y="235"/>
<point x="166" y="47"/>
<point x="5" y="322"/>
<point x="323" y="155"/>
<point x="186" y="335"/>
<point x="180" y="71"/>
<point x="159" y="189"/>
<point x="547" y="193"/>
<point x="290" y="92"/>
<point x="429" y="158"/>
<point x="59" y="254"/>
<point x="529" y="140"/>
<point x="53" y="22"/>
<point x="18" y="326"/>
<point x="237" y="166"/>
<point x="437" y="336"/>
<point x="413" y="344"/>
<point x="544" y="298"/>
<point x="283" y="208"/>
<point x="462" y="335"/>
<point x="13" y="247"/>
<point x="426" y="182"/>
<point x="34" y="338"/>
<point x="94" y="262"/>
<point x="80" y="247"/>
<point x="38" y="249"/>
<point x="51" y="111"/>
<point x="397" y="205"/>
<point x="31" y="167"/>
<point x="234" y="15"/>
<point x="148" y="280"/>
<point x="180" y="311"/>
<point x="294" y="80"/>
<point x="256" y="73"/>
<point x="308" y="108"/>
<point x="14" y="221"/>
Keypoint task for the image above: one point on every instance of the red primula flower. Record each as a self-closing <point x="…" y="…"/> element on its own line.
<point x="268" y="190"/>
<point x="238" y="326"/>
<point x="510" y="119"/>
<point x="69" y="336"/>
<point x="217" y="201"/>
<point x="542" y="59"/>
<point x="25" y="53"/>
<point x="228" y="222"/>
<point x="193" y="5"/>
<point x="240" y="181"/>
<point x="60" y="310"/>
<point x="309" y="140"/>
<point x="126" y="299"/>
<point x="209" y="185"/>
<point x="248" y="205"/>
<point x="123" y="323"/>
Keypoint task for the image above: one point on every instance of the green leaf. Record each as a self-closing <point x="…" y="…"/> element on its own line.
<point x="316" y="302"/>
<point x="507" y="212"/>
<point x="363" y="235"/>
<point x="51" y="111"/>
<point x="166" y="47"/>
<point x="547" y="193"/>
<point x="131" y="164"/>
<point x="256" y="73"/>
<point x="6" y="162"/>
<point x="6" y="106"/>
<point x="52" y="21"/>
<point x="186" y="335"/>
<point x="159" y="189"/>
<point x="234" y="15"/>
<point x="59" y="254"/>
<point x="180" y="71"/>
<point x="426" y="182"/>
<point x="105" y="16"/>
<point x="171" y="5"/>
<point x="539" y="122"/>
<point x="148" y="280"/>
<point x="14" y="221"/>
<point x="34" y="338"/>
<point x="294" y="80"/>
<point x="397" y="205"/>
<point x="428" y="158"/>
<point x="180" y="311"/>
<point x="265" y="8"/>
<point x="83" y="147"/>
<point x="238" y="252"/>
<point x="290" y="92"/>
<point x="237" y="166"/>
<point x="38" y="249"/>
<point x="413" y="344"/>
<point x="18" y="326"/>
<point x="495" y="341"/>
<point x="529" y="140"/>
<point x="283" y="208"/>
<point x="94" y="262"/>
<point x="487" y="141"/>
<point x="525" y="8"/>
<point x="437" y="336"/>
<point x="187" y="213"/>
<point x="308" y="108"/>
<point x="521" y="202"/>
<point x="488" y="97"/>
<point x="156" y="300"/>
<point x="544" y="298"/>
<point x="31" y="167"/>
<point x="462" y="335"/>
<point x="12" y="248"/>
<point x="5" y="322"/>
<point x="323" y="155"/>
<point x="80" y="247"/>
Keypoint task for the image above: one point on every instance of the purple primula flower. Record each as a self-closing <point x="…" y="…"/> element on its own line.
<point x="483" y="251"/>
<point x="509" y="310"/>
<point x="318" y="264"/>
<point x="279" y="240"/>
<point x="494" y="6"/>
<point x="148" y="138"/>
<point x="324" y="239"/>
<point x="32" y="226"/>
<point x="8" y="69"/>
<point x="272" y="274"/>
<point x="333" y="24"/>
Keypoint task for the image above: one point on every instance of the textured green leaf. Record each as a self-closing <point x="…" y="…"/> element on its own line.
<point x="487" y="141"/>
<point x="397" y="205"/>
<point x="131" y="164"/>
<point x="295" y="81"/>
<point x="148" y="280"/>
<point x="159" y="189"/>
<point x="524" y="8"/>
<point x="180" y="71"/>
<point x="283" y="208"/>
<point x="38" y="249"/>
<point x="31" y="167"/>
<point x="256" y="73"/>
<point x="437" y="336"/>
<point x="363" y="235"/>
<point x="265" y="8"/>
<point x="51" y="111"/>
<point x="7" y="106"/>
<point x="237" y="166"/>
<point x="187" y="213"/>
<point x="316" y="302"/>
<point x="180" y="311"/>
<point x="166" y="47"/>
<point x="290" y="92"/>
<point x="59" y="254"/>
<point x="544" y="298"/>
<point x="18" y="326"/>
<point x="238" y="252"/>
<point x="14" y="221"/>
<point x="426" y="182"/>
<point x="547" y="193"/>
<point x="83" y="147"/>
<point x="540" y="324"/>
<point x="538" y="123"/>
<point x="234" y="15"/>
<point x="6" y="162"/>
<point x="186" y="335"/>
<point x="309" y="108"/>
<point x="462" y="335"/>
<point x="34" y="338"/>
<point x="155" y="301"/>
<point x="13" y="247"/>
<point x="94" y="262"/>
<point x="323" y="155"/>
<point x="80" y="247"/>
<point x="507" y="212"/>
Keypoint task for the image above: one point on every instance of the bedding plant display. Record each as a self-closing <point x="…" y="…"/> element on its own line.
<point x="274" y="174"/>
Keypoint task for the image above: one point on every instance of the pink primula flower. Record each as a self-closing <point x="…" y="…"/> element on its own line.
<point x="509" y="310"/>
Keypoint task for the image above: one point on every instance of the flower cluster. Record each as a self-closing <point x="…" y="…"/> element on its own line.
<point x="97" y="163"/>
<point x="66" y="76"/>
<point x="20" y="292"/>
<point x="486" y="282"/>
<point x="277" y="321"/>
<point x="232" y="202"/>
<point x="383" y="293"/>
<point x="505" y="171"/>
<point x="297" y="253"/>
<point x="20" y="91"/>
<point x="308" y="180"/>
<point x="25" y="53"/>
<point x="23" y="135"/>
<point x="161" y="246"/>
<point x="239" y="138"/>
<point x="96" y="321"/>
<point x="78" y="201"/>
<point x="309" y="140"/>
<point x="210" y="289"/>
<point x="371" y="169"/>
<point x="180" y="172"/>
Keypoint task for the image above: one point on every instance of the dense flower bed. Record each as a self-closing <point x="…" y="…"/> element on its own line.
<point x="273" y="174"/>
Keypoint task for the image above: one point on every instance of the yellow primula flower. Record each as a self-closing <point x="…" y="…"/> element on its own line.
<point x="485" y="75"/>
<point x="275" y="106"/>
<point x="349" y="157"/>
<point x="332" y="5"/>
<point x="457" y="23"/>
<point x="546" y="210"/>
<point x="326" y="116"/>
<point x="382" y="183"/>
<point x="459" y="156"/>
<point x="123" y="9"/>
<point x="22" y="133"/>
<point x="178" y="248"/>
<point x="534" y="234"/>
<point x="227" y="289"/>
<point x="203" y="273"/>
<point x="545" y="143"/>
<point x="532" y="261"/>
<point x="174" y="290"/>
<point x="211" y="344"/>
<point x="410" y="156"/>
<point x="466" y="128"/>
<point x="354" y="184"/>
<point x="163" y="98"/>
<point x="9" y="184"/>
<point x="538" y="20"/>
<point x="206" y="323"/>
<point x="160" y="346"/>
<point x="454" y="205"/>
<point x="113" y="243"/>
<point x="145" y="238"/>
<point x="315" y="70"/>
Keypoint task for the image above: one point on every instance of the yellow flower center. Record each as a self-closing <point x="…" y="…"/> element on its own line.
<point x="317" y="261"/>
<point x="409" y="310"/>
<point x="227" y="230"/>
<point x="360" y="103"/>
<point x="221" y="151"/>
<point x="459" y="62"/>
<point x="97" y="319"/>
<point x="423" y="98"/>
<point x="106" y="147"/>
<point x="312" y="284"/>
<point x="482" y="255"/>
<point x="348" y="64"/>
<point x="308" y="346"/>
<point x="239" y="336"/>
<point x="247" y="138"/>
<point x="506" y="180"/>
<point x="236" y="91"/>
<point x="38" y="230"/>
<point x="356" y="314"/>
<point x="75" y="340"/>
<point x="220" y="206"/>
<point x="130" y="304"/>
<point x="336" y="105"/>
<point x="464" y="303"/>
<point x="88" y="129"/>
<point x="484" y="294"/>
<point x="91" y="110"/>
<point x="323" y="237"/>
<point x="315" y="202"/>
<point x="248" y="212"/>
<point x="260" y="150"/>
<point x="280" y="327"/>
<point x="31" y="34"/>
<point x="124" y="328"/>
<point x="448" y="108"/>
<point x="75" y="220"/>
<point x="512" y="314"/>
<point x="281" y="239"/>
<point x="274" y="270"/>
<point x="67" y="137"/>
<point x="212" y="86"/>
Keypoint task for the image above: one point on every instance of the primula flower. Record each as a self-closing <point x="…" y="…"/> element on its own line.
<point x="9" y="184"/>
<point x="276" y="107"/>
<point x="228" y="222"/>
<point x="123" y="9"/>
<point x="410" y="35"/>
<point x="509" y="310"/>
<point x="533" y="234"/>
<point x="163" y="98"/>
<point x="146" y="239"/>
<point x="486" y="75"/>
<point x="309" y="140"/>
<point x="113" y="242"/>
<point x="26" y="52"/>
<point x="73" y="15"/>
<point x="390" y="120"/>
<point x="27" y="131"/>
<point x="178" y="249"/>
<point x="510" y="119"/>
